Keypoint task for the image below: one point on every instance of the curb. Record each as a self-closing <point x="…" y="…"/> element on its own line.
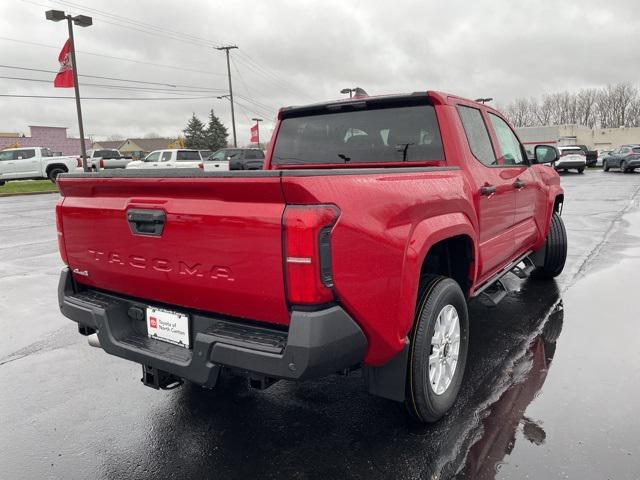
<point x="16" y="194"/>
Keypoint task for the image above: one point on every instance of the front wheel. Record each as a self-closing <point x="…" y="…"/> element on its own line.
<point x="2" y="182"/>
<point x="581" y="170"/>
<point x="438" y="349"/>
<point x="605" y="167"/>
<point x="555" y="254"/>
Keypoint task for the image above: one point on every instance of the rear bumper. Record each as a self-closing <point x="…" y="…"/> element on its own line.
<point x="317" y="343"/>
<point x="570" y="164"/>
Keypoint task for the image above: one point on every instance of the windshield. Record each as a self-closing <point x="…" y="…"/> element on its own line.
<point x="408" y="133"/>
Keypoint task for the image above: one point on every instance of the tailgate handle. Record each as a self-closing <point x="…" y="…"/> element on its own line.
<point x="146" y="222"/>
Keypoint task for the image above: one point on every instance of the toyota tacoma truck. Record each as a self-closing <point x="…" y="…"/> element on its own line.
<point x="373" y="223"/>
<point x="33" y="163"/>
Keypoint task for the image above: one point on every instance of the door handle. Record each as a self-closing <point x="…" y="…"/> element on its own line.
<point x="487" y="190"/>
<point x="519" y="184"/>
<point x="146" y="222"/>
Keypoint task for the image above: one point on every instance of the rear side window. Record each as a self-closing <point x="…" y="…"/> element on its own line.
<point x="395" y="134"/>
<point x="166" y="156"/>
<point x="477" y="135"/>
<point x="187" y="155"/>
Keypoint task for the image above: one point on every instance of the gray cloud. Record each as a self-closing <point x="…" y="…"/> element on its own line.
<point x="308" y="51"/>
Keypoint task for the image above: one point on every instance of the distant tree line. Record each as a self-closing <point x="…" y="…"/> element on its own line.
<point x="612" y="106"/>
<point x="212" y="136"/>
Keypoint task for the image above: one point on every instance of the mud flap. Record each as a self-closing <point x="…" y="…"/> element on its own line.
<point x="389" y="380"/>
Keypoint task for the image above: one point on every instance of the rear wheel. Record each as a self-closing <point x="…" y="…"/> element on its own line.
<point x="555" y="249"/>
<point x="2" y="182"/>
<point x="54" y="172"/>
<point x="605" y="167"/>
<point x="623" y="166"/>
<point x="438" y="349"/>
<point x="581" y="170"/>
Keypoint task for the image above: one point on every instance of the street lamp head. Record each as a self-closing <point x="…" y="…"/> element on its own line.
<point x="55" y="15"/>
<point x="346" y="90"/>
<point x="256" y="119"/>
<point x="82" y="21"/>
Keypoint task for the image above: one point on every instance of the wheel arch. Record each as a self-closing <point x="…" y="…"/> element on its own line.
<point x="54" y="165"/>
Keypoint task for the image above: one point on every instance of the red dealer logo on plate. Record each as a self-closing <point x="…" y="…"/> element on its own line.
<point x="153" y="322"/>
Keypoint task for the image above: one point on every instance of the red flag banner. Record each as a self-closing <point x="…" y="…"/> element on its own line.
<point x="64" y="78"/>
<point x="255" y="136"/>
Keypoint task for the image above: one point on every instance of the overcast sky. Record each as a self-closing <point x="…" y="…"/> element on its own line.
<point x="296" y="52"/>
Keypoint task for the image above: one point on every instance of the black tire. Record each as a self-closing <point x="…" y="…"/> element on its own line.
<point x="2" y="182"/>
<point x="556" y="250"/>
<point x="422" y="403"/>
<point x="581" y="170"/>
<point x="605" y="167"/>
<point x="623" y="166"/>
<point x="54" y="172"/>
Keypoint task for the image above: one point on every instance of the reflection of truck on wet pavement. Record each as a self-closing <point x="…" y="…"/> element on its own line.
<point x="374" y="221"/>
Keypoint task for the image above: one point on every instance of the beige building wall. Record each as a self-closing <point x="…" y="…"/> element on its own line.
<point x="595" y="139"/>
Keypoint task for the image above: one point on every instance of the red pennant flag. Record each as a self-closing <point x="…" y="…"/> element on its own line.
<point x="255" y="136"/>
<point x="64" y="78"/>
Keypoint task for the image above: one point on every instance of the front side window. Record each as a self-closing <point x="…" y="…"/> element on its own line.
<point x="24" y="154"/>
<point x="166" y="156"/>
<point x="152" y="157"/>
<point x="188" y="155"/>
<point x="219" y="155"/>
<point x="45" y="152"/>
<point x="369" y="135"/>
<point x="477" y="135"/>
<point x="509" y="144"/>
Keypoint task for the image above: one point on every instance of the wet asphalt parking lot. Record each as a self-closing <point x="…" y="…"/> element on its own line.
<point x="551" y="390"/>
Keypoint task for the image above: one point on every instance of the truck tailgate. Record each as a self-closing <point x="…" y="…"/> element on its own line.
<point x="220" y="248"/>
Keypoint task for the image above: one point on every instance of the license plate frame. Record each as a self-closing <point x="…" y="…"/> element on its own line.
<point x="168" y="326"/>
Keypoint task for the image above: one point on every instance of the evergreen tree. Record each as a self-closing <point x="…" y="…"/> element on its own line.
<point x="195" y="135"/>
<point x="216" y="133"/>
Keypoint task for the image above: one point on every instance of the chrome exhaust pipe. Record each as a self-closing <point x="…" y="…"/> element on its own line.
<point x="93" y="340"/>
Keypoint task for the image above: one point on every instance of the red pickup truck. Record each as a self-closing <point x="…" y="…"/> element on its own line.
<point x="373" y="222"/>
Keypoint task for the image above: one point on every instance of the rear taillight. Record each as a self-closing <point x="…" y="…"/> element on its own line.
<point x="201" y="166"/>
<point x="79" y="162"/>
<point x="61" y="245"/>
<point x="102" y="163"/>
<point x="307" y="251"/>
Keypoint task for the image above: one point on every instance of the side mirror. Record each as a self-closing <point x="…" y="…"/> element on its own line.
<point x="546" y="154"/>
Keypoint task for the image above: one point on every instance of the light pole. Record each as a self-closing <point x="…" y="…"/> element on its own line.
<point x="233" y="116"/>
<point x="257" y="120"/>
<point x="81" y="21"/>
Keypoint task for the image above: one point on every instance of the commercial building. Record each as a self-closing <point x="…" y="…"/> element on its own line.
<point x="593" y="138"/>
<point x="54" y="138"/>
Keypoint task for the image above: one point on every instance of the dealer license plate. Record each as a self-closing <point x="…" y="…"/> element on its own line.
<point x="168" y="326"/>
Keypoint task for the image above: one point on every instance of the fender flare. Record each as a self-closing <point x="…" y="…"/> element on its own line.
<point x="425" y="235"/>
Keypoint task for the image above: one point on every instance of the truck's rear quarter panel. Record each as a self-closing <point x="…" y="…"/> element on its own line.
<point x="375" y="266"/>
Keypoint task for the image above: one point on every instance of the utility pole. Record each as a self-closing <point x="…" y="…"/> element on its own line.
<point x="233" y="116"/>
<point x="257" y="120"/>
<point x="82" y="21"/>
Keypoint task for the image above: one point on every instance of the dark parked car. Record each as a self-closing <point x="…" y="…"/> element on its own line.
<point x="240" y="158"/>
<point x="626" y="159"/>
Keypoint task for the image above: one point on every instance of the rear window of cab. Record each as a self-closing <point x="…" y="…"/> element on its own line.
<point x="370" y="135"/>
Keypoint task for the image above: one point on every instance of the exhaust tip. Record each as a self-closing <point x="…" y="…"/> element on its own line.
<point x="93" y="340"/>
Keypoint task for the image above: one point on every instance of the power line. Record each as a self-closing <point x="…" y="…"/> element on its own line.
<point x="117" y="79"/>
<point x="104" y="98"/>
<point x="111" y="57"/>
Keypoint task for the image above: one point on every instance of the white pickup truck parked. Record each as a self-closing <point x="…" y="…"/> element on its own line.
<point x="33" y="163"/>
<point x="106" y="159"/>
<point x="169" y="158"/>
